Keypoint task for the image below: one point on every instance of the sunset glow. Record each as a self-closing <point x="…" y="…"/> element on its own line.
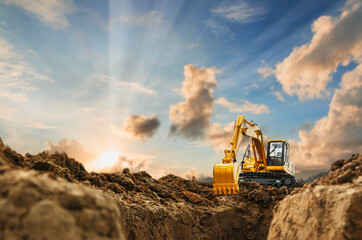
<point x="106" y="160"/>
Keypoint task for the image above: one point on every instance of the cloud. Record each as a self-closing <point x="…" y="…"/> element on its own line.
<point x="279" y="96"/>
<point x="266" y="72"/>
<point x="191" y="118"/>
<point x="139" y="126"/>
<point x="193" y="45"/>
<point x="337" y="135"/>
<point x="307" y="71"/>
<point x="16" y="76"/>
<point x="133" y="164"/>
<point x="105" y="163"/>
<point x="12" y="114"/>
<point x="193" y="173"/>
<point x="53" y="13"/>
<point x="150" y="19"/>
<point x="246" y="106"/>
<point x="220" y="30"/>
<point x="241" y="12"/>
<point x="73" y="149"/>
<point x="134" y="87"/>
<point x="219" y="137"/>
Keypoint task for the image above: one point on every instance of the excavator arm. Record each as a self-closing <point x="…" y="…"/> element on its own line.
<point x="226" y="173"/>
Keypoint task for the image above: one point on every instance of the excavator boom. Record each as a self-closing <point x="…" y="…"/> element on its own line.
<point x="273" y="168"/>
<point x="226" y="173"/>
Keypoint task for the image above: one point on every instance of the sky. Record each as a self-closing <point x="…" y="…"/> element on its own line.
<point x="157" y="85"/>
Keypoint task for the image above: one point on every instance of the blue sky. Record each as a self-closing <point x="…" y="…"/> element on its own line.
<point x="77" y="70"/>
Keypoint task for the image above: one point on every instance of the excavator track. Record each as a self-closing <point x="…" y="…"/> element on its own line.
<point x="269" y="179"/>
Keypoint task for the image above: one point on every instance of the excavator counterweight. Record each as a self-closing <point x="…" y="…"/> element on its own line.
<point x="273" y="168"/>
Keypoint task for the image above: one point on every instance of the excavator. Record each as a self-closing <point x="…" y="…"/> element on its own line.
<point x="273" y="168"/>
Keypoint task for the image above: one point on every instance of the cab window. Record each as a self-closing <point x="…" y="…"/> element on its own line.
<point x="275" y="154"/>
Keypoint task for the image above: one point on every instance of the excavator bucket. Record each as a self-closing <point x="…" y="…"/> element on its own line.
<point x="226" y="178"/>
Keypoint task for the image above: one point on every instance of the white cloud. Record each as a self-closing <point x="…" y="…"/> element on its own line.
<point x="150" y="19"/>
<point x="14" y="115"/>
<point x="254" y="85"/>
<point x="193" y="173"/>
<point x="16" y="76"/>
<point x="73" y="149"/>
<point x="278" y="95"/>
<point x="51" y="12"/>
<point x="241" y="12"/>
<point x="307" y="71"/>
<point x="193" y="45"/>
<point x="17" y="79"/>
<point x="134" y="87"/>
<point x="219" y="137"/>
<point x="266" y="72"/>
<point x="337" y="135"/>
<point x="191" y="118"/>
<point x="220" y="30"/>
<point x="245" y="106"/>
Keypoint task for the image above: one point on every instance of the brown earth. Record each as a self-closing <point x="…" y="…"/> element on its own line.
<point x="328" y="208"/>
<point x="168" y="208"/>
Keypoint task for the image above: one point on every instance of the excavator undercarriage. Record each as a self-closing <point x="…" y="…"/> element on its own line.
<point x="269" y="178"/>
<point x="269" y="166"/>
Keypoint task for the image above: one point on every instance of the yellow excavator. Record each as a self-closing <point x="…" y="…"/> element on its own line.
<point x="271" y="169"/>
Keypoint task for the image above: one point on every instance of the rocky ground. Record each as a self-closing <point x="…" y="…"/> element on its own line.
<point x="328" y="208"/>
<point x="134" y="205"/>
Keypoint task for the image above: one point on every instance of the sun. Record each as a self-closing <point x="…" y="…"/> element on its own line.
<point x="107" y="159"/>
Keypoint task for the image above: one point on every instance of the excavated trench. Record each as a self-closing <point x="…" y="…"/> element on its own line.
<point x="146" y="208"/>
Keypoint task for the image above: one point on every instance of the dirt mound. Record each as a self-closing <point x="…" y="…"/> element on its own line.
<point x="36" y="206"/>
<point x="168" y="208"/>
<point x="328" y="208"/>
<point x="343" y="171"/>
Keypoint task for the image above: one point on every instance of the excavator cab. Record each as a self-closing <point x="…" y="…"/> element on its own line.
<point x="275" y="153"/>
<point x="270" y="168"/>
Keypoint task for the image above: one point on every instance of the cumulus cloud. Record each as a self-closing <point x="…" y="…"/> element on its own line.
<point x="245" y="106"/>
<point x="74" y="149"/>
<point x="241" y="12"/>
<point x="339" y="133"/>
<point x="218" y="136"/>
<point x="191" y="118"/>
<point x="307" y="71"/>
<point x="278" y="95"/>
<point x="51" y="12"/>
<point x="139" y="126"/>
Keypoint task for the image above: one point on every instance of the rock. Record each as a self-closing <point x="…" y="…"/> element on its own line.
<point x="194" y="197"/>
<point x="343" y="171"/>
<point x="34" y="206"/>
<point x="322" y="212"/>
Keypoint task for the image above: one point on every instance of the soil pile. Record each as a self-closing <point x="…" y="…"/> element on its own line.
<point x="36" y="206"/>
<point x="168" y="208"/>
<point x="328" y="208"/>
